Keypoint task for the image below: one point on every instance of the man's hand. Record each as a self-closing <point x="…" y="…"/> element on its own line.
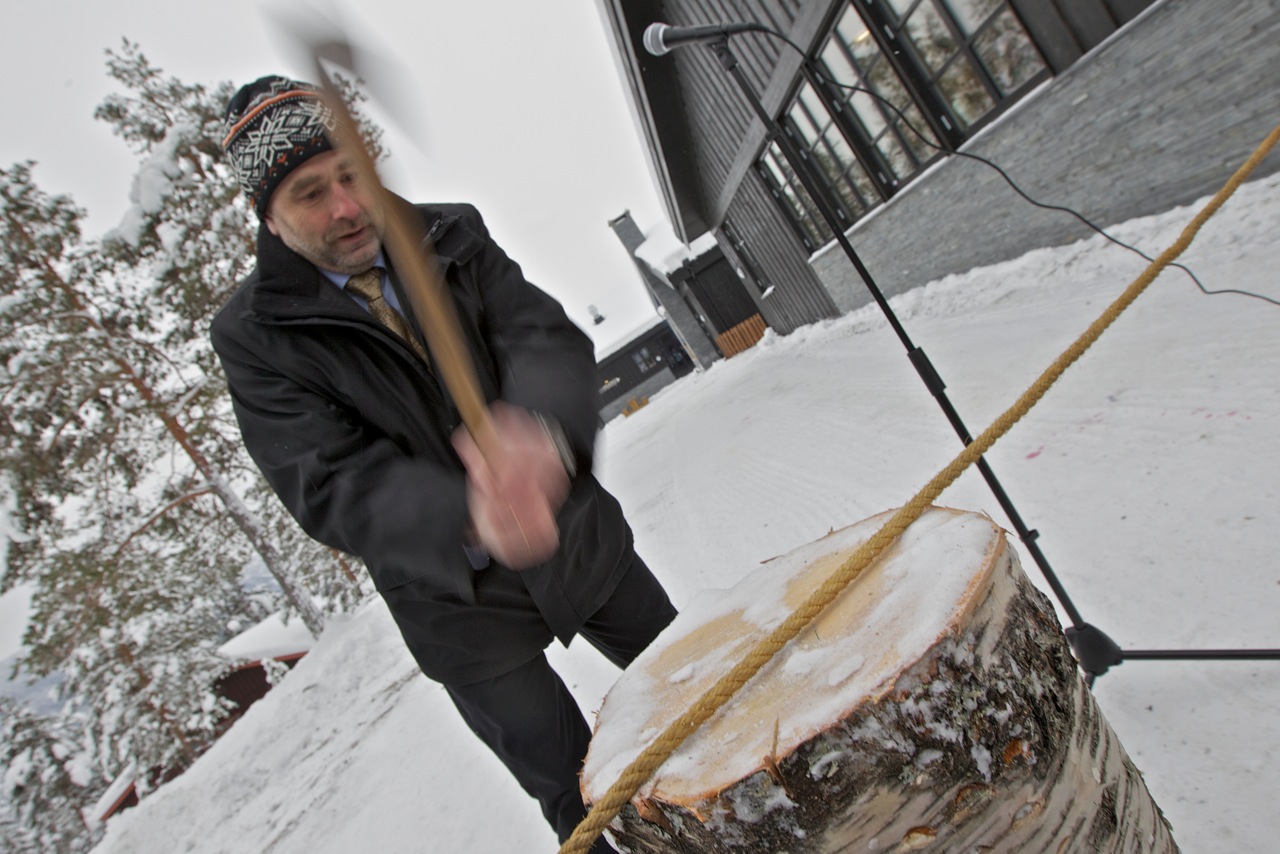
<point x="514" y="496"/>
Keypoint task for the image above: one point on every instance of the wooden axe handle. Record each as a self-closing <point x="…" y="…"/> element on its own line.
<point x="415" y="263"/>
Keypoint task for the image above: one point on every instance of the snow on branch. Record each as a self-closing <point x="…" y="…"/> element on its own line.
<point x="152" y="184"/>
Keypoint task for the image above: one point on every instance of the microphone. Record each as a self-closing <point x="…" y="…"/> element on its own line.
<point x="659" y="39"/>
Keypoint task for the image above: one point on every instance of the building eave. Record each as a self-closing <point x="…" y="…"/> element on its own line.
<point x="654" y="87"/>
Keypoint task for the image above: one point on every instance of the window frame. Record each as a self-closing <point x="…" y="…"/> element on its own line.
<point x="924" y="100"/>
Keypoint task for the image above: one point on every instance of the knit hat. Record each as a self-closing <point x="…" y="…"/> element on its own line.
<point x="274" y="125"/>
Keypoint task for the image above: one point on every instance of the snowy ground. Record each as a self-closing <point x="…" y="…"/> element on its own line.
<point x="1151" y="472"/>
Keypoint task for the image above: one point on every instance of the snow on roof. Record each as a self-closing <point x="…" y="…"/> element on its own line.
<point x="617" y="342"/>
<point x="271" y="638"/>
<point x="664" y="252"/>
<point x="117" y="790"/>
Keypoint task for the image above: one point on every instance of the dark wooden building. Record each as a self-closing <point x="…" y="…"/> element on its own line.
<point x="1116" y="108"/>
<point x="712" y="285"/>
<point x="640" y="366"/>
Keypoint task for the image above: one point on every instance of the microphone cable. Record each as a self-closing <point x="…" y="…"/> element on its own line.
<point x="817" y="72"/>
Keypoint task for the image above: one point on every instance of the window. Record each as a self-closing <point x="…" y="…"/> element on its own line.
<point x="895" y="82"/>
<point x="852" y="58"/>
<point x="828" y="150"/>
<point x="971" y="55"/>
<point x="644" y="359"/>
<point x="796" y="203"/>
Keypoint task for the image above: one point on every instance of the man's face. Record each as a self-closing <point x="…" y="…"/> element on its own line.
<point x="323" y="212"/>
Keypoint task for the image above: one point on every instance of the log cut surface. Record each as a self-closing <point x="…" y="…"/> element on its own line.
<point x="934" y="705"/>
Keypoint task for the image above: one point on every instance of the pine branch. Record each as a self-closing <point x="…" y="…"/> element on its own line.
<point x="159" y="514"/>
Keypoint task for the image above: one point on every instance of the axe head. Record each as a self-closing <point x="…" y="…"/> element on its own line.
<point x="317" y="41"/>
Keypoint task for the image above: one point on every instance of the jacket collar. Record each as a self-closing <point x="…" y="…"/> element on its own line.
<point x="285" y="284"/>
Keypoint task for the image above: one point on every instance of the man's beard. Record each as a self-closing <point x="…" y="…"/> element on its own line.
<point x="329" y="254"/>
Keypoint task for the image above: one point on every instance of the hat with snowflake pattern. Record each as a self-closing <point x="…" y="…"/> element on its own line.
<point x="274" y="125"/>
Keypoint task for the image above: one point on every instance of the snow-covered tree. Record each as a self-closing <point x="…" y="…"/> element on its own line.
<point x="189" y="236"/>
<point x="44" y="782"/>
<point x="138" y="510"/>
<point x="136" y="567"/>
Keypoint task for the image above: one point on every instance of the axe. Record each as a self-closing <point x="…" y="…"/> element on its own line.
<point x="413" y="257"/>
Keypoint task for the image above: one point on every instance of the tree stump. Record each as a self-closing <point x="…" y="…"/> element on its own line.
<point x="935" y="705"/>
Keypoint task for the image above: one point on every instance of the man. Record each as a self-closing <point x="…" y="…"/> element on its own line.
<point x="482" y="559"/>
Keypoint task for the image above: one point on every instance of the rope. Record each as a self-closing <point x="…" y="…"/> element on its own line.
<point x="643" y="766"/>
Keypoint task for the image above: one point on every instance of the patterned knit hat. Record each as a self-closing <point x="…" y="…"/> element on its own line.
<point x="274" y="125"/>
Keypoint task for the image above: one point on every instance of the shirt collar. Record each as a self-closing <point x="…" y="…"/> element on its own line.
<point x="340" y="279"/>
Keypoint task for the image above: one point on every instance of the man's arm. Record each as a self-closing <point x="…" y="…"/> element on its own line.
<point x="545" y="363"/>
<point x="546" y="417"/>
<point x="514" y="494"/>
<point x="347" y="486"/>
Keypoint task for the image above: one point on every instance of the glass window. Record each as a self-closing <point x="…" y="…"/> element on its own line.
<point x="796" y="203"/>
<point x="965" y="92"/>
<point x="896" y="81"/>
<point x="973" y="53"/>
<point x="853" y="62"/>
<point x="830" y="152"/>
<point x="929" y="34"/>
<point x="644" y="359"/>
<point x="972" y="14"/>
<point x="1007" y="53"/>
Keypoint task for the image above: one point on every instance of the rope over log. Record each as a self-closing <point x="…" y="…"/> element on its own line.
<point x="649" y="760"/>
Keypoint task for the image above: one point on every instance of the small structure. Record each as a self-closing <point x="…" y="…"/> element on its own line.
<point x="710" y="283"/>
<point x="645" y="361"/>
<point x="119" y="796"/>
<point x="274" y="639"/>
<point x="713" y="305"/>
<point x="684" y="320"/>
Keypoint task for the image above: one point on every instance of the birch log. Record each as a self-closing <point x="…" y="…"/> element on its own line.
<point x="934" y="706"/>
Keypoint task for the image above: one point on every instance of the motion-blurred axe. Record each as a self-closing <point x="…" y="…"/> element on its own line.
<point x="412" y="254"/>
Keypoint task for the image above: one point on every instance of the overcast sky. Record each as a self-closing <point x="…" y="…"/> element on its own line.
<point x="523" y="111"/>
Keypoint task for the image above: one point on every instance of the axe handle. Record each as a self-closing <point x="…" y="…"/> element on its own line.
<point x="415" y="263"/>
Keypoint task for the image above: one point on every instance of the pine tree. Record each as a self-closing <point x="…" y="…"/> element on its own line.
<point x="136" y="569"/>
<point x="44" y="782"/>
<point x="190" y="234"/>
<point x="138" y="508"/>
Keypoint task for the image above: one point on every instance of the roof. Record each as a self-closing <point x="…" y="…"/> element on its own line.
<point x="621" y="342"/>
<point x="665" y="252"/>
<point x="271" y="638"/>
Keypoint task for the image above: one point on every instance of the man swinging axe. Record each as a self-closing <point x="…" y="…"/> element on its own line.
<point x="482" y="558"/>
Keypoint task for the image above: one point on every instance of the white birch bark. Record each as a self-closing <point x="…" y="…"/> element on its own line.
<point x="988" y="741"/>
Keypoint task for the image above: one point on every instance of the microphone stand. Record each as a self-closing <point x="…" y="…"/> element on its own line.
<point x="1094" y="650"/>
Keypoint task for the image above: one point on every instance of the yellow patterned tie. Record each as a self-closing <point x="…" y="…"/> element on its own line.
<point x="369" y="285"/>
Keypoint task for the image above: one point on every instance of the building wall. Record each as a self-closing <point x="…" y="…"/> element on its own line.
<point x="623" y="379"/>
<point x="798" y="296"/>
<point x="1160" y="115"/>
<point x="681" y="317"/>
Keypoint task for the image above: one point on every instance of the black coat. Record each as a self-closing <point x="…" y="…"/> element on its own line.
<point x="353" y="433"/>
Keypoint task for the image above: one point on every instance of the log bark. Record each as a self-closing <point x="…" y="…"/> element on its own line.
<point x="935" y="706"/>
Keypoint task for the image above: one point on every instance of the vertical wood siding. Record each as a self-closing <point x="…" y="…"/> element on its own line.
<point x="719" y="118"/>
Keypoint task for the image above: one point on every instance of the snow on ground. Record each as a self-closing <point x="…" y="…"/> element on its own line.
<point x="1151" y="471"/>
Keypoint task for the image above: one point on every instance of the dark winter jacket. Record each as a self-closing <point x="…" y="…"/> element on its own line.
<point x="352" y="430"/>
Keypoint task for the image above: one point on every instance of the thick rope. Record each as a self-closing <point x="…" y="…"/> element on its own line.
<point x="643" y="766"/>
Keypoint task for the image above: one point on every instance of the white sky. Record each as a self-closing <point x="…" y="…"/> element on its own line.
<point x="523" y="107"/>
